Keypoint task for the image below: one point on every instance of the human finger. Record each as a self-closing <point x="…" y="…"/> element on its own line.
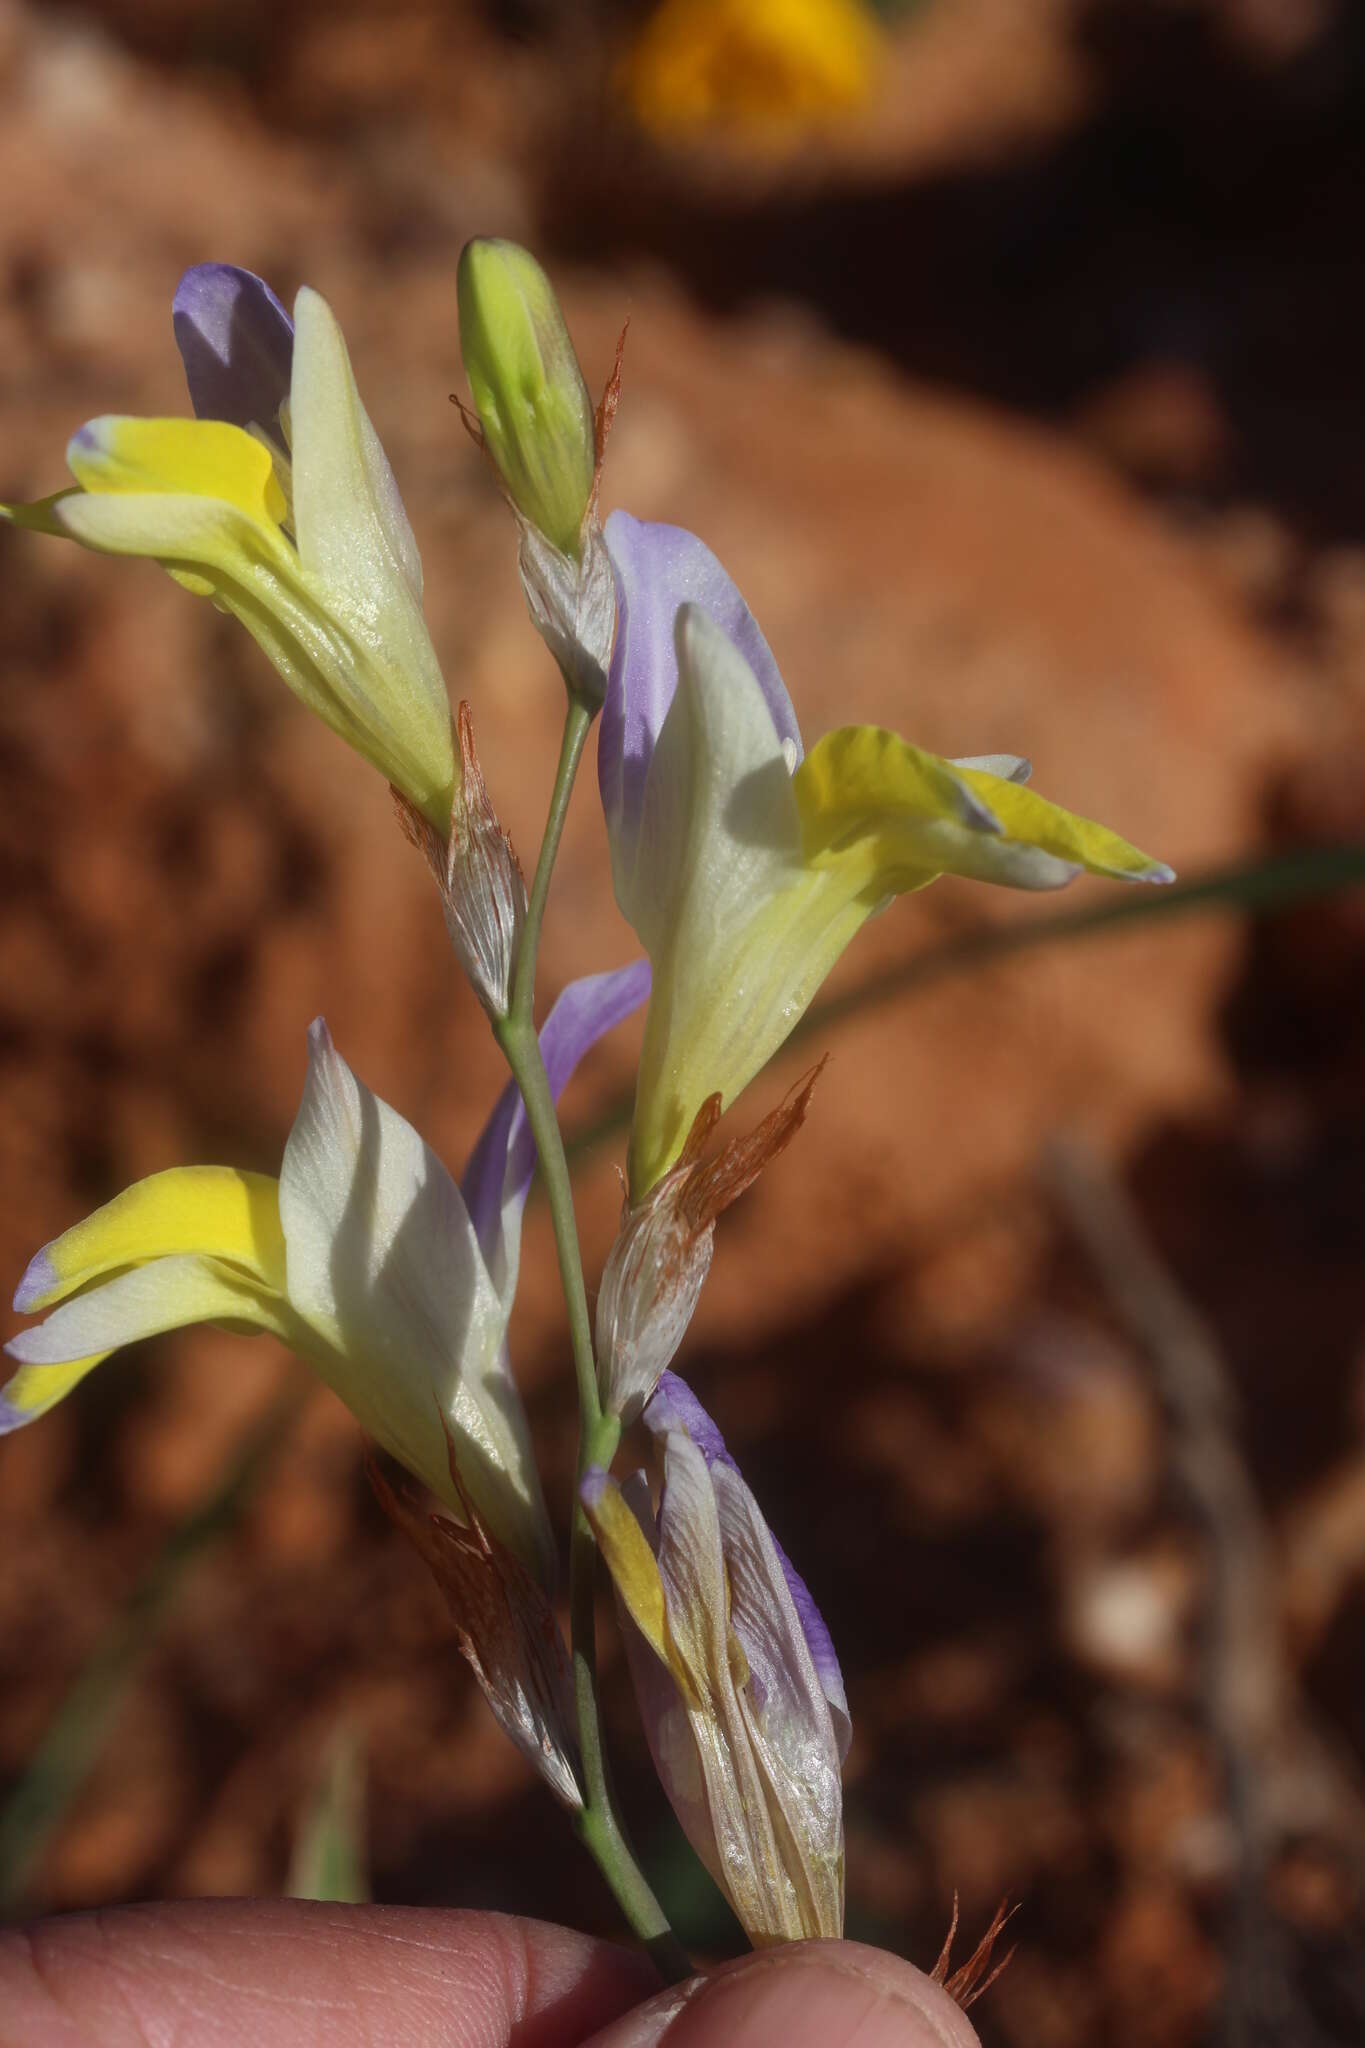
<point x="290" y="1974"/>
<point x="810" y="1994"/>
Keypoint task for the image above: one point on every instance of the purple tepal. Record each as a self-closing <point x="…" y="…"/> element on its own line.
<point x="237" y="344"/>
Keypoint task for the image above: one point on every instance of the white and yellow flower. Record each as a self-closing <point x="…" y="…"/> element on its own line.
<point x="277" y="501"/>
<point x="746" y="869"/>
<point x="365" y="1257"/>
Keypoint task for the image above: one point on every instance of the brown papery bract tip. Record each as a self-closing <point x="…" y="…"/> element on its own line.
<point x="419" y="831"/>
<point x="714" y="1187"/>
<point x="606" y="411"/>
<point x="976" y="1975"/>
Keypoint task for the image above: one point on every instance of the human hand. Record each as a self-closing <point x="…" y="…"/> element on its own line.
<point x="240" y="1973"/>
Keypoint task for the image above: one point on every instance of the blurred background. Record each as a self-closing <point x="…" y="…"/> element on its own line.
<point x="1009" y="356"/>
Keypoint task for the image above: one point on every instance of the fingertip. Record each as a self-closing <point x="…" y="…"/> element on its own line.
<point x="804" y="1995"/>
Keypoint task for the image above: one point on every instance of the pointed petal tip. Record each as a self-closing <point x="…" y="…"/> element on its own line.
<point x="1158" y="872"/>
<point x="39" y="1281"/>
<point x="319" y="1038"/>
<point x="207" y="283"/>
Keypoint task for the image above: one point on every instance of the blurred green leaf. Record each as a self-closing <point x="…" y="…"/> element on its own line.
<point x="78" y="1731"/>
<point x="329" y="1860"/>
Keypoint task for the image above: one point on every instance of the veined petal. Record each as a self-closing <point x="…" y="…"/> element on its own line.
<point x="211" y="1210"/>
<point x="788" y="1718"/>
<point x="170" y="459"/>
<point x="166" y="1294"/>
<point x="739" y="932"/>
<point x="744" y="1746"/>
<point x="358" y="553"/>
<point x="659" y="568"/>
<point x="350" y="519"/>
<point x="674" y="1407"/>
<point x="892" y="817"/>
<point x="237" y="344"/>
<point x="384" y="1267"/>
<point x="743" y="1840"/>
<point x="502" y="1165"/>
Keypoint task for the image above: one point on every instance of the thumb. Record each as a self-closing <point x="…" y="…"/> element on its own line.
<point x="808" y="1994"/>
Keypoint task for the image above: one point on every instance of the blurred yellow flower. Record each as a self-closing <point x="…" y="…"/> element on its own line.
<point x="768" y="68"/>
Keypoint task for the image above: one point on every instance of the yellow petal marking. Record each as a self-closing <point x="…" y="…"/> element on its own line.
<point x="635" y="1575"/>
<point x="212" y="1210"/>
<point x="36" y="1388"/>
<point x="178" y="458"/>
<point x="896" y="816"/>
<point x="1030" y="818"/>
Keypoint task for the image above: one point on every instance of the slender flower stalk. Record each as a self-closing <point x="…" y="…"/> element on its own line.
<point x="597" y="1822"/>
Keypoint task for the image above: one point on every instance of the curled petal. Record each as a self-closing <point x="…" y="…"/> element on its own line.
<point x="168" y="1294"/>
<point x="214" y="1210"/>
<point x="197" y="1244"/>
<point x="127" y="466"/>
<point x="891" y="817"/>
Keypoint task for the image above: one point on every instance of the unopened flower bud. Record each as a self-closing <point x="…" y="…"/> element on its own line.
<point x="529" y="393"/>
<point x="483" y="891"/>
<point x="662" y="1254"/>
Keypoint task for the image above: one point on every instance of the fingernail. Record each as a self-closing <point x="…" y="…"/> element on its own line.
<point x="806" y="1995"/>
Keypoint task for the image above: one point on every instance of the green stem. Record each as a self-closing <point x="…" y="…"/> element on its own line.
<point x="577" y="722"/>
<point x="599" y="1827"/>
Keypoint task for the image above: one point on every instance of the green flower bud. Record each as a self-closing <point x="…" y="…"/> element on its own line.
<point x="528" y="390"/>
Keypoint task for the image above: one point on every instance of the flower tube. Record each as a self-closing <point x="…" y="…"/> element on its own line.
<point x="745" y="868"/>
<point x="277" y="501"/>
<point x="738" y="1685"/>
